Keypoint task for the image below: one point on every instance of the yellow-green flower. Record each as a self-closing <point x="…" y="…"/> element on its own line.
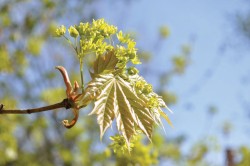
<point x="73" y="32"/>
<point x="147" y="89"/>
<point x="153" y="102"/>
<point x="60" y="31"/>
<point x="139" y="85"/>
<point x="132" y="71"/>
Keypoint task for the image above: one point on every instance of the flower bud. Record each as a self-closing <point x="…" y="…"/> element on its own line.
<point x="73" y="32"/>
<point x="132" y="71"/>
<point x="147" y="89"/>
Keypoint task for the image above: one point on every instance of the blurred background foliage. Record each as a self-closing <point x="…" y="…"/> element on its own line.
<point x="28" y="55"/>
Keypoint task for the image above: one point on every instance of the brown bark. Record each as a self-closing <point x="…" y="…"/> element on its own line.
<point x="229" y="157"/>
<point x="64" y="104"/>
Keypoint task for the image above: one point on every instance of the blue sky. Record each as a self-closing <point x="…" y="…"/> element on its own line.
<point x="209" y="26"/>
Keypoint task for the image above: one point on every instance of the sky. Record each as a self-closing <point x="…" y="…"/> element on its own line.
<point x="217" y="70"/>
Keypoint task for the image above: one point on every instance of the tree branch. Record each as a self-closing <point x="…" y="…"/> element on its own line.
<point x="64" y="104"/>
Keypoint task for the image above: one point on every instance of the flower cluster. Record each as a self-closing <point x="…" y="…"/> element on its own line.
<point x="119" y="144"/>
<point x="60" y="31"/>
<point x="97" y="38"/>
<point x="94" y="37"/>
<point x="143" y="87"/>
<point x="145" y="90"/>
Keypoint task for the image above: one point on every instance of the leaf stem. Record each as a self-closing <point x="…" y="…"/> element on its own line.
<point x="71" y="44"/>
<point x="81" y="73"/>
<point x="76" y="46"/>
<point x="64" y="104"/>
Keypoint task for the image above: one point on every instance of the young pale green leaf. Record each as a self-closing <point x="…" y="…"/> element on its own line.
<point x="119" y="100"/>
<point x="165" y="116"/>
<point x="106" y="62"/>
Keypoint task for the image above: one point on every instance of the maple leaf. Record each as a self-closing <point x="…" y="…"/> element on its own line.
<point x="119" y="100"/>
<point x="115" y="96"/>
<point x="105" y="63"/>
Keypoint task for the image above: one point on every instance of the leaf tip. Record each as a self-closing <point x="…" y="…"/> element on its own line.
<point x="169" y="109"/>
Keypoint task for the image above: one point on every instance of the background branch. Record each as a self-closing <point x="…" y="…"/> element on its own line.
<point x="64" y="104"/>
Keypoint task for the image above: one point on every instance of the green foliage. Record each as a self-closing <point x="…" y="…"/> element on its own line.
<point x="117" y="90"/>
<point x="244" y="153"/>
<point x="199" y="151"/>
<point x="10" y="102"/>
<point x="20" y="63"/>
<point x="119" y="144"/>
<point x="34" y="45"/>
<point x="5" y="60"/>
<point x="8" y="145"/>
<point x="53" y="95"/>
<point x="143" y="154"/>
